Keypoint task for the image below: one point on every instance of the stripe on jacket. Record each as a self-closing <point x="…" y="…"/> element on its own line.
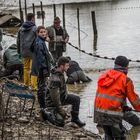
<point x="110" y="97"/>
<point x="109" y="112"/>
<point x="136" y="102"/>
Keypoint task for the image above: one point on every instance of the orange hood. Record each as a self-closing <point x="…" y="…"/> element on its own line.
<point x="108" y="78"/>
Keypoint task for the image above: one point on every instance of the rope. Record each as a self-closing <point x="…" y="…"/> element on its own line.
<point x="98" y="56"/>
<point x="83" y="51"/>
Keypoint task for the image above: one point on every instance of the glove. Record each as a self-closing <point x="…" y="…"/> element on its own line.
<point x="62" y="112"/>
<point x="127" y="108"/>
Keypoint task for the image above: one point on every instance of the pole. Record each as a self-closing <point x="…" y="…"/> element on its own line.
<point x="25" y="9"/>
<point x="54" y="10"/>
<point x="94" y="23"/>
<point x="78" y="28"/>
<point x="63" y="10"/>
<point x="94" y="30"/>
<point x="42" y="13"/>
<point x="33" y="8"/>
<point x="21" y="12"/>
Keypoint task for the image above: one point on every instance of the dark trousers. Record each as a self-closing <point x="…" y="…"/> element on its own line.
<point x="9" y="70"/>
<point x="42" y="88"/>
<point x="114" y="132"/>
<point x="74" y="101"/>
<point x="57" y="53"/>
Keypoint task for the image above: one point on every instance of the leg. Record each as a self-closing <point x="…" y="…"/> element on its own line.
<point x="34" y="82"/>
<point x="83" y="77"/>
<point x="117" y="132"/>
<point x="42" y="88"/>
<point x="27" y="70"/>
<point x="131" y="118"/>
<point x="20" y="68"/>
<point x="8" y="71"/>
<point x="108" y="133"/>
<point x="75" y="102"/>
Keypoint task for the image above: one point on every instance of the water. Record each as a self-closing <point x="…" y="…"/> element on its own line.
<point x="118" y="34"/>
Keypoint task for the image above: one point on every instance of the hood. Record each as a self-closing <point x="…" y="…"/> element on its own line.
<point x="27" y="25"/>
<point x="108" y="78"/>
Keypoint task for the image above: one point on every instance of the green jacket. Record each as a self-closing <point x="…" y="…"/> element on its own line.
<point x="11" y="57"/>
<point x="57" y="90"/>
<point x="53" y="40"/>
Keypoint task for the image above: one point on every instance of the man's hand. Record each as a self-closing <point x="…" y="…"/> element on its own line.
<point x="127" y="108"/>
<point x="46" y="73"/>
<point x="62" y="112"/>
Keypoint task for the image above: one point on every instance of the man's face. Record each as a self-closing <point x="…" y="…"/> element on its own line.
<point x="57" y="24"/>
<point x="42" y="33"/>
<point x="65" y="67"/>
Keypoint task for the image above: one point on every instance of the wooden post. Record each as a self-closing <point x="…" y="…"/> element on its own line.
<point x="63" y="10"/>
<point x="94" y="30"/>
<point x="54" y="10"/>
<point x="33" y="8"/>
<point x="95" y="43"/>
<point x="78" y="28"/>
<point x="94" y="23"/>
<point x="25" y="9"/>
<point x="21" y="12"/>
<point x="42" y="13"/>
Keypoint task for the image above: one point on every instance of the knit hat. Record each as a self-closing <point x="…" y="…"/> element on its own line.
<point x="121" y="61"/>
<point x="57" y="19"/>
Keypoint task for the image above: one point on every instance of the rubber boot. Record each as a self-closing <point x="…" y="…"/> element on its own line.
<point x="75" y="119"/>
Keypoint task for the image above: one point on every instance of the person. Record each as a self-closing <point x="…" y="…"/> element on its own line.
<point x="75" y="73"/>
<point x="41" y="63"/>
<point x="114" y="87"/>
<point x="57" y="39"/>
<point x="25" y="40"/>
<point x="12" y="62"/>
<point x="57" y="95"/>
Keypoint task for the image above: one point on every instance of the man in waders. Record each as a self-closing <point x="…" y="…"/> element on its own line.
<point x="57" y="39"/>
<point x="57" y="94"/>
<point x="75" y="73"/>
<point x="113" y="88"/>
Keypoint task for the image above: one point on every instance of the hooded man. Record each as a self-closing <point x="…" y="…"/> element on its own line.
<point x="114" y="87"/>
<point x="25" y="40"/>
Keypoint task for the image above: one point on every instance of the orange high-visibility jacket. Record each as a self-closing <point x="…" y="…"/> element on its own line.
<point x="113" y="89"/>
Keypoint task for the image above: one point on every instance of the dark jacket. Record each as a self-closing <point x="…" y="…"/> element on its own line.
<point x="53" y="38"/>
<point x="25" y="38"/>
<point x="73" y="67"/>
<point x="57" y="90"/>
<point x="11" y="57"/>
<point x="41" y="58"/>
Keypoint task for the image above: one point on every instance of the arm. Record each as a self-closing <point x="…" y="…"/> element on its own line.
<point x="55" y="95"/>
<point x="40" y="56"/>
<point x="66" y="37"/>
<point x="55" y="91"/>
<point x="132" y="96"/>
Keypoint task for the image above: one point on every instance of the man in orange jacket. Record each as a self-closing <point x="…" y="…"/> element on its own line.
<point x="113" y="88"/>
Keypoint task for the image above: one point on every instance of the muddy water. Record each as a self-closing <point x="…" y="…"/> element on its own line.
<point x="118" y="34"/>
